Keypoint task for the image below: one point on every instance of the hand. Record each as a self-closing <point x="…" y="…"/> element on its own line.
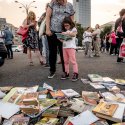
<point x="48" y="32"/>
<point x="61" y="40"/>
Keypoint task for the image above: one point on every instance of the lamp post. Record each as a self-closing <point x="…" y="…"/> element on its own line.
<point x="26" y="6"/>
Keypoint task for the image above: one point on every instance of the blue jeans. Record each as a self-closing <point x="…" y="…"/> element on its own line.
<point x="45" y="48"/>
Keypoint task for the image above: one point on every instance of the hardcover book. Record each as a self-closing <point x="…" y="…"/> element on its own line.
<point x="51" y="112"/>
<point x="105" y="108"/>
<point x="89" y="101"/>
<point x="57" y="94"/>
<point x="67" y="122"/>
<point x="48" y="121"/>
<point x="63" y="36"/>
<point x="95" y="77"/>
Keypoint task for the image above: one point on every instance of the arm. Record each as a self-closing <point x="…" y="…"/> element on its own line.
<point x="48" y="18"/>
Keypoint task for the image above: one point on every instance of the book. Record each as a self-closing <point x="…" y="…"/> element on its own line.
<point x="105" y="108"/>
<point x="2" y="94"/>
<point x="97" y="85"/>
<point x="85" y="118"/>
<point x="85" y="81"/>
<point x="63" y="36"/>
<point x="89" y="101"/>
<point x="65" y="112"/>
<point x="0" y="119"/>
<point x="118" y="115"/>
<point x="6" y="88"/>
<point x="7" y="110"/>
<point x="100" y="122"/>
<point x="30" y="101"/>
<point x="48" y="87"/>
<point x="48" y="121"/>
<point x="57" y="94"/>
<point x="91" y="95"/>
<point x="67" y="122"/>
<point x="95" y="77"/>
<point x="120" y="81"/>
<point x="51" y="112"/>
<point x="77" y="106"/>
<point x="70" y="93"/>
<point x="123" y="123"/>
<point x="108" y="79"/>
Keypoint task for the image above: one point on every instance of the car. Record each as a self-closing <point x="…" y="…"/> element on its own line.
<point x="3" y="53"/>
<point x="17" y="48"/>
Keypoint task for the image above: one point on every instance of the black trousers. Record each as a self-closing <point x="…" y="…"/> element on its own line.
<point x="107" y="46"/>
<point x="9" y="51"/>
<point x="55" y="44"/>
<point x="112" y="48"/>
<point x="119" y="42"/>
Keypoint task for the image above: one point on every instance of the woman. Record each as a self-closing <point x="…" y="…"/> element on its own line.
<point x="96" y="40"/>
<point x="31" y="42"/>
<point x="56" y="12"/>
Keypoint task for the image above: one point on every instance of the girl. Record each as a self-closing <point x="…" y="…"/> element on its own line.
<point x="87" y="36"/>
<point x="31" y="42"/>
<point x="69" y="48"/>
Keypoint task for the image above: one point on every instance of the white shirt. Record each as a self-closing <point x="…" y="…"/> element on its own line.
<point x="98" y="32"/>
<point x="87" y="36"/>
<point x="1" y="35"/>
<point x="70" y="43"/>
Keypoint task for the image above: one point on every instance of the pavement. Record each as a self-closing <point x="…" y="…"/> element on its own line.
<point x="17" y="72"/>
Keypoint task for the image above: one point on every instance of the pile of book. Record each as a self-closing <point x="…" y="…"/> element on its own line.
<point x="47" y="106"/>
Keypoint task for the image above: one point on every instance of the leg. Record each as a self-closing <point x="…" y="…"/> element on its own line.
<point x="61" y="54"/>
<point x="111" y="49"/>
<point x="39" y="56"/>
<point x="11" y="52"/>
<point x="52" y="42"/>
<point x="8" y="52"/>
<point x="86" y="48"/>
<point x="66" y="60"/>
<point x="89" y="49"/>
<point x="29" y="54"/>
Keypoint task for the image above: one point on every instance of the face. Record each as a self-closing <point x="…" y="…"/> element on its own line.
<point x="67" y="26"/>
<point x="97" y="26"/>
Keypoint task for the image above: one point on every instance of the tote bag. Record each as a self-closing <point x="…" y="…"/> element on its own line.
<point x="22" y="31"/>
<point x="42" y="28"/>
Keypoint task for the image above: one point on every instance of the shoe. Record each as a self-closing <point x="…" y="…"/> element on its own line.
<point x="51" y="75"/>
<point x="65" y="76"/>
<point x="46" y="66"/>
<point x="41" y="62"/>
<point x="75" y="77"/>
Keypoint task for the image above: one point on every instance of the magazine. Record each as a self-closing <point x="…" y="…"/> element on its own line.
<point x="63" y="36"/>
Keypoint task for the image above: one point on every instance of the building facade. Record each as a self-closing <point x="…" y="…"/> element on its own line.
<point x="83" y="12"/>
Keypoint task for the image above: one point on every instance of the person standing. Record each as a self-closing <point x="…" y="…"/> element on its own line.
<point x="96" y="40"/>
<point x="56" y="12"/>
<point x="87" y="36"/>
<point x="107" y="37"/>
<point x="8" y="38"/>
<point x="31" y="41"/>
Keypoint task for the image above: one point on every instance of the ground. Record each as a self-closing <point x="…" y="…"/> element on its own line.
<point x="17" y="72"/>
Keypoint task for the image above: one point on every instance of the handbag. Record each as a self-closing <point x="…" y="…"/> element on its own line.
<point x="22" y="31"/>
<point x="42" y="28"/>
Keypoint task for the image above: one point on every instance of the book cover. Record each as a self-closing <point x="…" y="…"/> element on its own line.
<point x="89" y="101"/>
<point x="100" y="122"/>
<point x="48" y="121"/>
<point x="108" y="79"/>
<point x="105" y="108"/>
<point x="67" y="122"/>
<point x="97" y="86"/>
<point x="57" y="94"/>
<point x="85" y="81"/>
<point x="48" y="87"/>
<point x="85" y="118"/>
<point x="2" y="94"/>
<point x="51" y="112"/>
<point x="91" y="95"/>
<point x="63" y="36"/>
<point x="120" y="81"/>
<point x="70" y="93"/>
<point x="118" y="115"/>
<point x="95" y="77"/>
<point x="123" y="123"/>
<point x="6" y="88"/>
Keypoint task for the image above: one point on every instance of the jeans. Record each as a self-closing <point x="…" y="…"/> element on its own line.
<point x="54" y="43"/>
<point x="45" y="48"/>
<point x="9" y="51"/>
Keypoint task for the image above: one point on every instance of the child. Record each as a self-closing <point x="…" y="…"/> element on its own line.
<point x="69" y="48"/>
<point x="87" y="36"/>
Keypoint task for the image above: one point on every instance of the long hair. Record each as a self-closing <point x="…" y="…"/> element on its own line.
<point x="69" y="21"/>
<point x="31" y="16"/>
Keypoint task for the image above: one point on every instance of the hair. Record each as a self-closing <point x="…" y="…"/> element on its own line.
<point x="122" y="12"/>
<point x="29" y="16"/>
<point x="69" y="21"/>
<point x="98" y="25"/>
<point x="87" y="27"/>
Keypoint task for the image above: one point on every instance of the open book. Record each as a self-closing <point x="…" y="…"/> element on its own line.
<point x="63" y="36"/>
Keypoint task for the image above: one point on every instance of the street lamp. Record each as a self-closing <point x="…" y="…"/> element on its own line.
<point x="27" y="6"/>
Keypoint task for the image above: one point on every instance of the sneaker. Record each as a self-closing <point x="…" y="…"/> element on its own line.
<point x="65" y="76"/>
<point x="75" y="77"/>
<point x="46" y="66"/>
<point x="51" y="75"/>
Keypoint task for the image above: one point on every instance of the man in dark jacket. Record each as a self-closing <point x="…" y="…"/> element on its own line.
<point x="119" y="38"/>
<point x="8" y="37"/>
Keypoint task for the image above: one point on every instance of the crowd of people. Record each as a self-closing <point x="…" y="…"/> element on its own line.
<point x="59" y="18"/>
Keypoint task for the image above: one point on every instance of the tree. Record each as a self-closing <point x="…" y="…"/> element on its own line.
<point x="106" y="29"/>
<point x="80" y="31"/>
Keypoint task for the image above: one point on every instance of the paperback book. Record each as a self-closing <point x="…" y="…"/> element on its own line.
<point x="63" y="36"/>
<point x="95" y="77"/>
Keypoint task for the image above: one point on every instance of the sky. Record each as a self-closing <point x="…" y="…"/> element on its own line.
<point x="103" y="11"/>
